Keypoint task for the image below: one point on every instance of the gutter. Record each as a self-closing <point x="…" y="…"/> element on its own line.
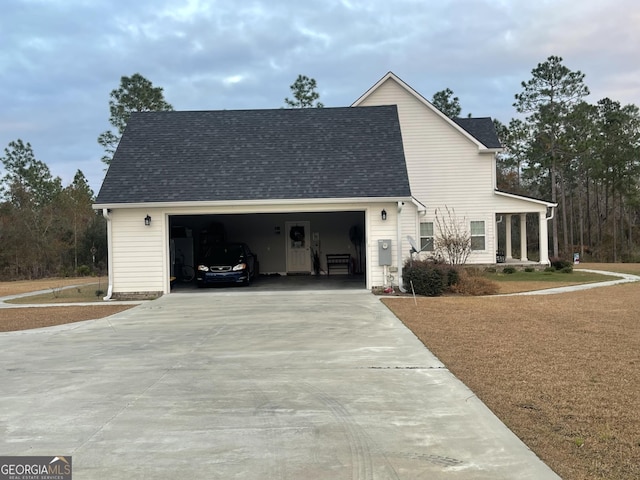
<point x="293" y="205"/>
<point x="553" y="212"/>
<point x="106" y="214"/>
<point x="422" y="208"/>
<point x="399" y="248"/>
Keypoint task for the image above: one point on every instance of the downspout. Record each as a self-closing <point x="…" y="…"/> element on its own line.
<point x="107" y="216"/>
<point x="399" y="248"/>
<point x="553" y="212"/>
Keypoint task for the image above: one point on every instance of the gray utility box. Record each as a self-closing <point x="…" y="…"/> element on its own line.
<point x="384" y="252"/>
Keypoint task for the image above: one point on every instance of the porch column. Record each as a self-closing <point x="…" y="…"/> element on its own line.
<point x="523" y="237"/>
<point x="507" y="249"/>
<point x="544" y="240"/>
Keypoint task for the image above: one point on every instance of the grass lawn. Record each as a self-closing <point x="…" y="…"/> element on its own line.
<point x="562" y="371"/>
<point x="521" y="281"/>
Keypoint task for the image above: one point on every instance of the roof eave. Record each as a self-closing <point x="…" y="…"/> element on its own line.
<point x="528" y="199"/>
<point x="262" y="203"/>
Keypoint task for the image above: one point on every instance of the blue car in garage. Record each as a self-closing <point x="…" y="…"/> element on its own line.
<point x="230" y="263"/>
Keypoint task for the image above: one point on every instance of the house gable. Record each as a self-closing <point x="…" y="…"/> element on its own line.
<point x="446" y="164"/>
<point x="461" y="127"/>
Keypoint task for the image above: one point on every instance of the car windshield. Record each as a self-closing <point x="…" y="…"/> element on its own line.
<point x="224" y="254"/>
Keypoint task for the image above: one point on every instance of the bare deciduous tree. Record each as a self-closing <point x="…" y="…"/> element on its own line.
<point x="453" y="237"/>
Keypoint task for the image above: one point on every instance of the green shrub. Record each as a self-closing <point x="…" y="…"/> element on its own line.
<point x="549" y="269"/>
<point x="453" y="276"/>
<point x="509" y="270"/>
<point x="529" y="269"/>
<point x="567" y="269"/>
<point x="450" y="273"/>
<point x="560" y="263"/>
<point x="83" y="271"/>
<point x="426" y="277"/>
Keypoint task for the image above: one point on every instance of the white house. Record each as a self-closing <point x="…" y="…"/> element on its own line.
<point x="357" y="181"/>
<point x="452" y="165"/>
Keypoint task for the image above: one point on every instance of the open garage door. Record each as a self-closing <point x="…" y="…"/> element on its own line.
<point x="318" y="245"/>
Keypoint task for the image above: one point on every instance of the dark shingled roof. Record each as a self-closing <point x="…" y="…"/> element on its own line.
<point x="258" y="155"/>
<point x="482" y="129"/>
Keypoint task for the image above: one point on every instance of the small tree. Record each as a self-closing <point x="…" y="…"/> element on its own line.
<point x="453" y="239"/>
<point x="304" y="93"/>
<point x="447" y="103"/>
<point x="135" y="94"/>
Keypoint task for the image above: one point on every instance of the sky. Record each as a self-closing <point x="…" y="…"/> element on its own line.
<point x="60" y="59"/>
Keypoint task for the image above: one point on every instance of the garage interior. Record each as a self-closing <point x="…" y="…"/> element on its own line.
<point x="294" y="250"/>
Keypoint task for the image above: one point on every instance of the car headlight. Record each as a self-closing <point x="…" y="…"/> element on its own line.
<point x="240" y="266"/>
<point x="203" y="268"/>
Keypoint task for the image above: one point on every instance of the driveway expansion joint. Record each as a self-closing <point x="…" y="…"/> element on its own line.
<point x="399" y="367"/>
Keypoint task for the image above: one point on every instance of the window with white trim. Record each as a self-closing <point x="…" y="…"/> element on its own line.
<point x="426" y="236"/>
<point x="477" y="235"/>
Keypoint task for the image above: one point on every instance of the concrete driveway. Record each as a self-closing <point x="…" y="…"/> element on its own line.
<point x="272" y="385"/>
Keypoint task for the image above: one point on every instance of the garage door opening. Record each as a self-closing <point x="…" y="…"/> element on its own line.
<point x="291" y="250"/>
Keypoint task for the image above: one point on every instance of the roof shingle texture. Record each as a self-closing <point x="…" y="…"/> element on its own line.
<point x="258" y="155"/>
<point x="482" y="129"/>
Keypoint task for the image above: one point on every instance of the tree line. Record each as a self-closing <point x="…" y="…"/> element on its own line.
<point x="583" y="156"/>
<point x="46" y="228"/>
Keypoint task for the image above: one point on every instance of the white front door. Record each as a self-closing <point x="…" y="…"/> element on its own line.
<point x="298" y="247"/>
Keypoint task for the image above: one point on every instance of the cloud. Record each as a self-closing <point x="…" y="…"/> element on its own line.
<point x="61" y="58"/>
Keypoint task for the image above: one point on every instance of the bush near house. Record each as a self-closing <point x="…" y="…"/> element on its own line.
<point x="423" y="277"/>
<point x="429" y="278"/>
<point x="561" y="264"/>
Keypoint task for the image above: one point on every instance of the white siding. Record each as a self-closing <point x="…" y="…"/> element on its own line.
<point x="446" y="168"/>
<point x="380" y="230"/>
<point x="388" y="229"/>
<point x="139" y="259"/>
<point x="141" y="253"/>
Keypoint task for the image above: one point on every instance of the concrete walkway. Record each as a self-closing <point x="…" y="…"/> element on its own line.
<point x="622" y="278"/>
<point x="272" y="385"/>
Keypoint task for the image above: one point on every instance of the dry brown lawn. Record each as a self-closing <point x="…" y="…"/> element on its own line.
<point x="13" y="319"/>
<point x="562" y="371"/>
<point x="25" y="286"/>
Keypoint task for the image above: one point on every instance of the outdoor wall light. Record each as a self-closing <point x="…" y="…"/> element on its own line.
<point x="383" y="214"/>
<point x="147" y="220"/>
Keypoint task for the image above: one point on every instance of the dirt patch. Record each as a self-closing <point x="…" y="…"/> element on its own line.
<point x="562" y="371"/>
<point x="13" y="319"/>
